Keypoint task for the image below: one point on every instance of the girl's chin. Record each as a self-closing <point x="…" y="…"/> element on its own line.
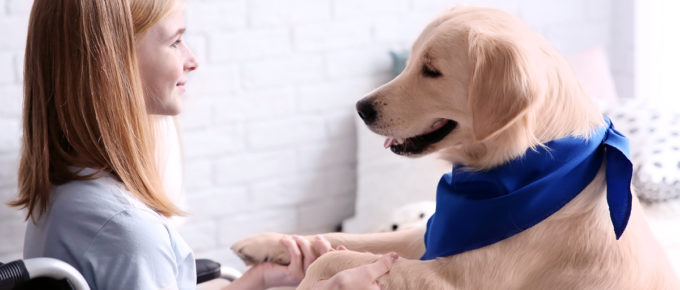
<point x="167" y="109"/>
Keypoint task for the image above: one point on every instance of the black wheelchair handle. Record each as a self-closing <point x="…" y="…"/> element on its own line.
<point x="13" y="274"/>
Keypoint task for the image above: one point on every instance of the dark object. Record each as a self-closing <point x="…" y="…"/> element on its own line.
<point x="12" y="274"/>
<point x="367" y="112"/>
<point x="16" y="275"/>
<point x="207" y="270"/>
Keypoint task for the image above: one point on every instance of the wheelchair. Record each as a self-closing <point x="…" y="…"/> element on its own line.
<point x="50" y="273"/>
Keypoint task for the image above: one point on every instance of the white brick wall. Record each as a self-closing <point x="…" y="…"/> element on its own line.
<point x="268" y="121"/>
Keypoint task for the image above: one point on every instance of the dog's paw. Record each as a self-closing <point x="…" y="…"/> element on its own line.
<point x="260" y="248"/>
<point x="332" y="263"/>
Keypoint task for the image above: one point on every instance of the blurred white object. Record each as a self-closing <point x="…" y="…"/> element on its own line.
<point x="409" y="216"/>
<point x="664" y="220"/>
<point x="654" y="134"/>
<point x="386" y="181"/>
<point x="656" y="56"/>
<point x="593" y="71"/>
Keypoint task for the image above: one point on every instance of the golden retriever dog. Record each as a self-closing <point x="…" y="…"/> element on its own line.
<point x="480" y="88"/>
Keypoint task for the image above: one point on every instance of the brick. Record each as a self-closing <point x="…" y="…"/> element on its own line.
<point x="332" y="96"/>
<point x="267" y="103"/>
<point x="368" y="9"/>
<point x="8" y="194"/>
<point x="216" y="15"/>
<point x="250" y="167"/>
<point x="216" y="80"/>
<point x="511" y="6"/>
<point x="402" y="30"/>
<point x="213" y="141"/>
<point x="7" y="75"/>
<point x="198" y="43"/>
<point x="278" y="133"/>
<point x="13" y="29"/>
<point x="323" y="155"/>
<point x="284" y="71"/>
<point x="433" y="7"/>
<point x="288" y="12"/>
<point x="19" y="7"/>
<point x="217" y="202"/>
<point x="332" y="35"/>
<point x="342" y="125"/>
<point x="538" y="13"/>
<point x="12" y="233"/>
<point x="599" y="10"/>
<point x="9" y="164"/>
<point x="285" y="191"/>
<point x="200" y="234"/>
<point x="326" y="213"/>
<point x="359" y="62"/>
<point x="196" y="113"/>
<point x="575" y="37"/>
<point x="11" y="100"/>
<point x="198" y="174"/>
<point x="10" y="139"/>
<point x="249" y="44"/>
<point x="339" y="180"/>
<point x="234" y="228"/>
<point x="19" y="67"/>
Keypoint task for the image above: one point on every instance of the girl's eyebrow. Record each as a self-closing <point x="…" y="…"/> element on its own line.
<point x="179" y="31"/>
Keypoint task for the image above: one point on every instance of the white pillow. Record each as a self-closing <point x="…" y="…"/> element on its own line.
<point x="654" y="134"/>
<point x="386" y="181"/>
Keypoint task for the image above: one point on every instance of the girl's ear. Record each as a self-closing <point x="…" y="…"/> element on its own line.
<point x="501" y="88"/>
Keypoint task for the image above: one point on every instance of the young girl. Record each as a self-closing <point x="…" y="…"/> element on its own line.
<point x="97" y="74"/>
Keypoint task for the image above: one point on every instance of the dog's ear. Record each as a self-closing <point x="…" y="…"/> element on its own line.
<point x="501" y="89"/>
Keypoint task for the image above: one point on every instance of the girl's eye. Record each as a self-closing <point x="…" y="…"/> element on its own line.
<point x="176" y="43"/>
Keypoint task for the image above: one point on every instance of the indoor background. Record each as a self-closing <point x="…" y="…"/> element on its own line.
<point x="268" y="129"/>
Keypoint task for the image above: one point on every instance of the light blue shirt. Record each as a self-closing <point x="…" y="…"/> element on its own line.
<point x="112" y="238"/>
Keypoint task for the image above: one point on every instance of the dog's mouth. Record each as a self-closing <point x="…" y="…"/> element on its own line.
<point x="417" y="144"/>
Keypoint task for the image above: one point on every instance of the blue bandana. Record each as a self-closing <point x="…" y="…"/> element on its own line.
<point x="479" y="208"/>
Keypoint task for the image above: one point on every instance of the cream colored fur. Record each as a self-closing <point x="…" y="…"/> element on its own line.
<point x="509" y="91"/>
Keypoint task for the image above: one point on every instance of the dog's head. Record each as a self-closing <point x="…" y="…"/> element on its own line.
<point x="473" y="88"/>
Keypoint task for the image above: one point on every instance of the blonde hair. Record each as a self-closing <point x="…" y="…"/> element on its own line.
<point x="83" y="100"/>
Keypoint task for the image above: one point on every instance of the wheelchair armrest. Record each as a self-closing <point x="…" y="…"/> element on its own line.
<point x="13" y="274"/>
<point x="207" y="270"/>
<point x="18" y="272"/>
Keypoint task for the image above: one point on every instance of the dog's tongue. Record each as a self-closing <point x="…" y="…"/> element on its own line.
<point x="436" y="126"/>
<point x="389" y="142"/>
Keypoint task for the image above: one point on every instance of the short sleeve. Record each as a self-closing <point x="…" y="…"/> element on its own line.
<point x="133" y="250"/>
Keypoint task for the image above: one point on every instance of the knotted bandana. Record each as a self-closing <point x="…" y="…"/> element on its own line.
<point x="479" y="208"/>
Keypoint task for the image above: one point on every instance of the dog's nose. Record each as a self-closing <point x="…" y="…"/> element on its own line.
<point x="366" y="111"/>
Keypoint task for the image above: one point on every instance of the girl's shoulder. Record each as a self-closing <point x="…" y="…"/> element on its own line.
<point x="85" y="207"/>
<point x="101" y="197"/>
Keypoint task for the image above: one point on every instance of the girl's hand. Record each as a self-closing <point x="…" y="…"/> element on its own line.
<point x="360" y="278"/>
<point x="302" y="255"/>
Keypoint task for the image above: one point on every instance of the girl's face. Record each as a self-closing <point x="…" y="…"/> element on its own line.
<point x="164" y="63"/>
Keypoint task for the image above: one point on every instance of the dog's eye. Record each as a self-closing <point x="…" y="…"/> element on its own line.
<point x="430" y="72"/>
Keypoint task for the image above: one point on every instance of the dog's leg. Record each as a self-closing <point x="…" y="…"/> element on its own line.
<point x="267" y="247"/>
<point x="404" y="274"/>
